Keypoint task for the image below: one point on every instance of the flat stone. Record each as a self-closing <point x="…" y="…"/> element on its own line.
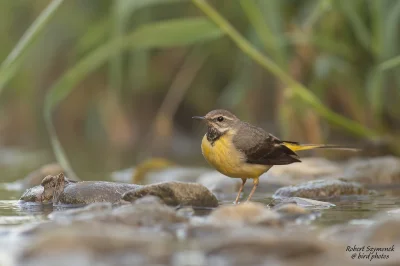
<point x="322" y="189"/>
<point x="87" y="192"/>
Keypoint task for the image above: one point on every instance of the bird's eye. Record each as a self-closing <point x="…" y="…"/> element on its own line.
<point x="220" y="119"/>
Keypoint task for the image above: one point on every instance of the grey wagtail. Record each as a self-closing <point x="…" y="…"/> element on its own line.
<point x="240" y="150"/>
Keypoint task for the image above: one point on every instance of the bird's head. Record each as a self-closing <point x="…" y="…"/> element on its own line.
<point x="219" y="120"/>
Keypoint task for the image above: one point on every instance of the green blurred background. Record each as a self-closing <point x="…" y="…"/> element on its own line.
<point x="109" y="83"/>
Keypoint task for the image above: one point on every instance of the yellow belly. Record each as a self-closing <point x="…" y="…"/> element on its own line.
<point x="228" y="161"/>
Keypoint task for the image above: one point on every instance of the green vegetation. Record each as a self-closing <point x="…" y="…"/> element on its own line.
<point x="317" y="70"/>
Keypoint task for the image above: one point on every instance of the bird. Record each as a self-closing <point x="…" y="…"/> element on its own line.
<point x="238" y="149"/>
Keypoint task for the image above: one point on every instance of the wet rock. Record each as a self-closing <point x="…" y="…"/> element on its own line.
<point x="87" y="192"/>
<point x="309" y="169"/>
<point x="302" y="202"/>
<point x="35" y="178"/>
<point x="53" y="187"/>
<point x="249" y="213"/>
<point x="33" y="194"/>
<point x="374" y="171"/>
<point x="264" y="248"/>
<point x="98" y="244"/>
<point x="143" y="214"/>
<point x="60" y="190"/>
<point x="322" y="189"/>
<point x="219" y="183"/>
<point x="94" y="211"/>
<point x="175" y="193"/>
<point x="154" y="215"/>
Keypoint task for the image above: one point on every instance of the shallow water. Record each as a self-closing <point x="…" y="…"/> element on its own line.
<point x="354" y="209"/>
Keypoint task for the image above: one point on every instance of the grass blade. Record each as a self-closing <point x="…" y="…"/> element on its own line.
<point x="181" y="32"/>
<point x="13" y="61"/>
<point x="293" y="86"/>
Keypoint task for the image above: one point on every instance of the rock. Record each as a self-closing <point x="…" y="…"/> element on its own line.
<point x="33" y="194"/>
<point x="219" y="183"/>
<point x="374" y="171"/>
<point x="94" y="211"/>
<point x="35" y="178"/>
<point x="302" y="202"/>
<point x="144" y="214"/>
<point x="309" y="169"/>
<point x="243" y="247"/>
<point x="322" y="189"/>
<point x="175" y="193"/>
<point x="147" y="215"/>
<point x="98" y="244"/>
<point x="249" y="213"/>
<point x="94" y="191"/>
<point x="53" y="187"/>
<point x="60" y="190"/>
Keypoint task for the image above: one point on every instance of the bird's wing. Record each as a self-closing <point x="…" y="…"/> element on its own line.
<point x="261" y="147"/>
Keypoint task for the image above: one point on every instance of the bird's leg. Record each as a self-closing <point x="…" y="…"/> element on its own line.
<point x="255" y="182"/>
<point x="240" y="190"/>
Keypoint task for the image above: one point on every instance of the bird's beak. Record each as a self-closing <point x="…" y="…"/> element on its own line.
<point x="199" y="117"/>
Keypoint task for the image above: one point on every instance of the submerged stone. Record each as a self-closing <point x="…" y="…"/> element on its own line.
<point x="322" y="189"/>
<point x="175" y="193"/>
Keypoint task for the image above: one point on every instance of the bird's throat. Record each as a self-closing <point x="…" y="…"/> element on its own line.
<point x="213" y="135"/>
